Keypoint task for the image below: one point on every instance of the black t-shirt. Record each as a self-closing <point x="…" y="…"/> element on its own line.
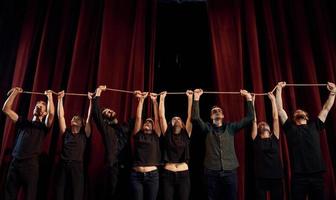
<point x="29" y="139"/>
<point x="73" y="145"/>
<point x="146" y="149"/>
<point x="175" y="146"/>
<point x="304" y="146"/>
<point x="267" y="157"/>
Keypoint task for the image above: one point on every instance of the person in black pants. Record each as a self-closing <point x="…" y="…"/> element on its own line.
<point x="146" y="152"/>
<point x="176" y="138"/>
<point x="74" y="142"/>
<point x="268" y="167"/>
<point x="220" y="158"/>
<point x="115" y="136"/>
<point x="303" y="137"/>
<point x="24" y="168"/>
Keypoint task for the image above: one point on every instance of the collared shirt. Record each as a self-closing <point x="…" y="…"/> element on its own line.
<point x="219" y="143"/>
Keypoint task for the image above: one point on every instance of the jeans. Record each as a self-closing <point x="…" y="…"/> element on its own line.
<point x="221" y="184"/>
<point x="144" y="186"/>
<point x="70" y="176"/>
<point x="22" y="173"/>
<point x="311" y="185"/>
<point x="175" y="184"/>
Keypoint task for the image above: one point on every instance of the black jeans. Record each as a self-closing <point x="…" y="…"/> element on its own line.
<point x="70" y="176"/>
<point x="311" y="185"/>
<point x="175" y="184"/>
<point x="145" y="186"/>
<point x="110" y="182"/>
<point x="274" y="186"/>
<point x="221" y="184"/>
<point x="22" y="173"/>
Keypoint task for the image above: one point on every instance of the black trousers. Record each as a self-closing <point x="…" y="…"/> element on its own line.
<point x="221" y="184"/>
<point x="70" y="176"/>
<point x="22" y="173"/>
<point x="110" y="182"/>
<point x="175" y="184"/>
<point x="144" y="186"/>
<point x="274" y="186"/>
<point x="311" y="185"/>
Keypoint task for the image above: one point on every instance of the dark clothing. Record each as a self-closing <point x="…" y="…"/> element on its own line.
<point x="175" y="185"/>
<point x="116" y="143"/>
<point x="221" y="184"/>
<point x="111" y="181"/>
<point x="115" y="136"/>
<point x="219" y="143"/>
<point x="267" y="158"/>
<point x="22" y="173"/>
<point x="29" y="139"/>
<point x="308" y="184"/>
<point x="73" y="145"/>
<point x="274" y="186"/>
<point x="175" y="146"/>
<point x="304" y="146"/>
<point x="146" y="149"/>
<point x="70" y="176"/>
<point x="145" y="185"/>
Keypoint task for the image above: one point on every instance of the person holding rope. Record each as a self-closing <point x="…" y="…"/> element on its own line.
<point x="268" y="167"/>
<point x="146" y="151"/>
<point x="220" y="158"/>
<point x="74" y="142"/>
<point x="176" y="139"/>
<point x="116" y="138"/>
<point x="24" y="167"/>
<point x="303" y="136"/>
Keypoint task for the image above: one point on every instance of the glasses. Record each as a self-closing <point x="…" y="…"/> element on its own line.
<point x="216" y="110"/>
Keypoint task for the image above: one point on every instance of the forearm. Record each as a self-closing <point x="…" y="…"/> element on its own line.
<point x="60" y="108"/>
<point x="329" y="103"/>
<point x="9" y="102"/>
<point x="190" y="102"/>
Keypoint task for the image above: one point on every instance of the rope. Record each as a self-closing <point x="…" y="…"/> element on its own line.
<point x="178" y="93"/>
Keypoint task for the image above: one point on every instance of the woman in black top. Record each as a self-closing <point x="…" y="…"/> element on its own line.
<point x="74" y="141"/>
<point x="146" y="152"/>
<point x="268" y="167"/>
<point x="175" y="176"/>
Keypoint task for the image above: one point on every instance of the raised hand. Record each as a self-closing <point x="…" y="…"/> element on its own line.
<point x="331" y="87"/>
<point x="246" y="94"/>
<point x="197" y="94"/>
<point x="60" y="95"/>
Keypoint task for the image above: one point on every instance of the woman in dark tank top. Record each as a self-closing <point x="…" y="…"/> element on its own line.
<point x="268" y="167"/>
<point x="175" y="176"/>
<point x="74" y="142"/>
<point x="146" y="151"/>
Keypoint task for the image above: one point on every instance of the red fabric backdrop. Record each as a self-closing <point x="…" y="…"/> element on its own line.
<point x="77" y="45"/>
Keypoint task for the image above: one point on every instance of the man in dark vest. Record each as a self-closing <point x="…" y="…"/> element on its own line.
<point x="220" y="158"/>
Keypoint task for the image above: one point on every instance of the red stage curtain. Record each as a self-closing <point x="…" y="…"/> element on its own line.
<point x="257" y="43"/>
<point x="75" y="46"/>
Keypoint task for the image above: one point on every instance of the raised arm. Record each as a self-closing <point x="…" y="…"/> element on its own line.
<point x="88" y="119"/>
<point x="249" y="116"/>
<point x="276" y="126"/>
<point x="8" y="105"/>
<point x="50" y="109"/>
<point x="156" y="127"/>
<point x="189" y="94"/>
<point x="60" y="112"/>
<point x="254" y="131"/>
<point x="282" y="113"/>
<point x="96" y="112"/>
<point x="138" y="117"/>
<point x="329" y="103"/>
<point x="162" y="116"/>
<point x="196" y="118"/>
